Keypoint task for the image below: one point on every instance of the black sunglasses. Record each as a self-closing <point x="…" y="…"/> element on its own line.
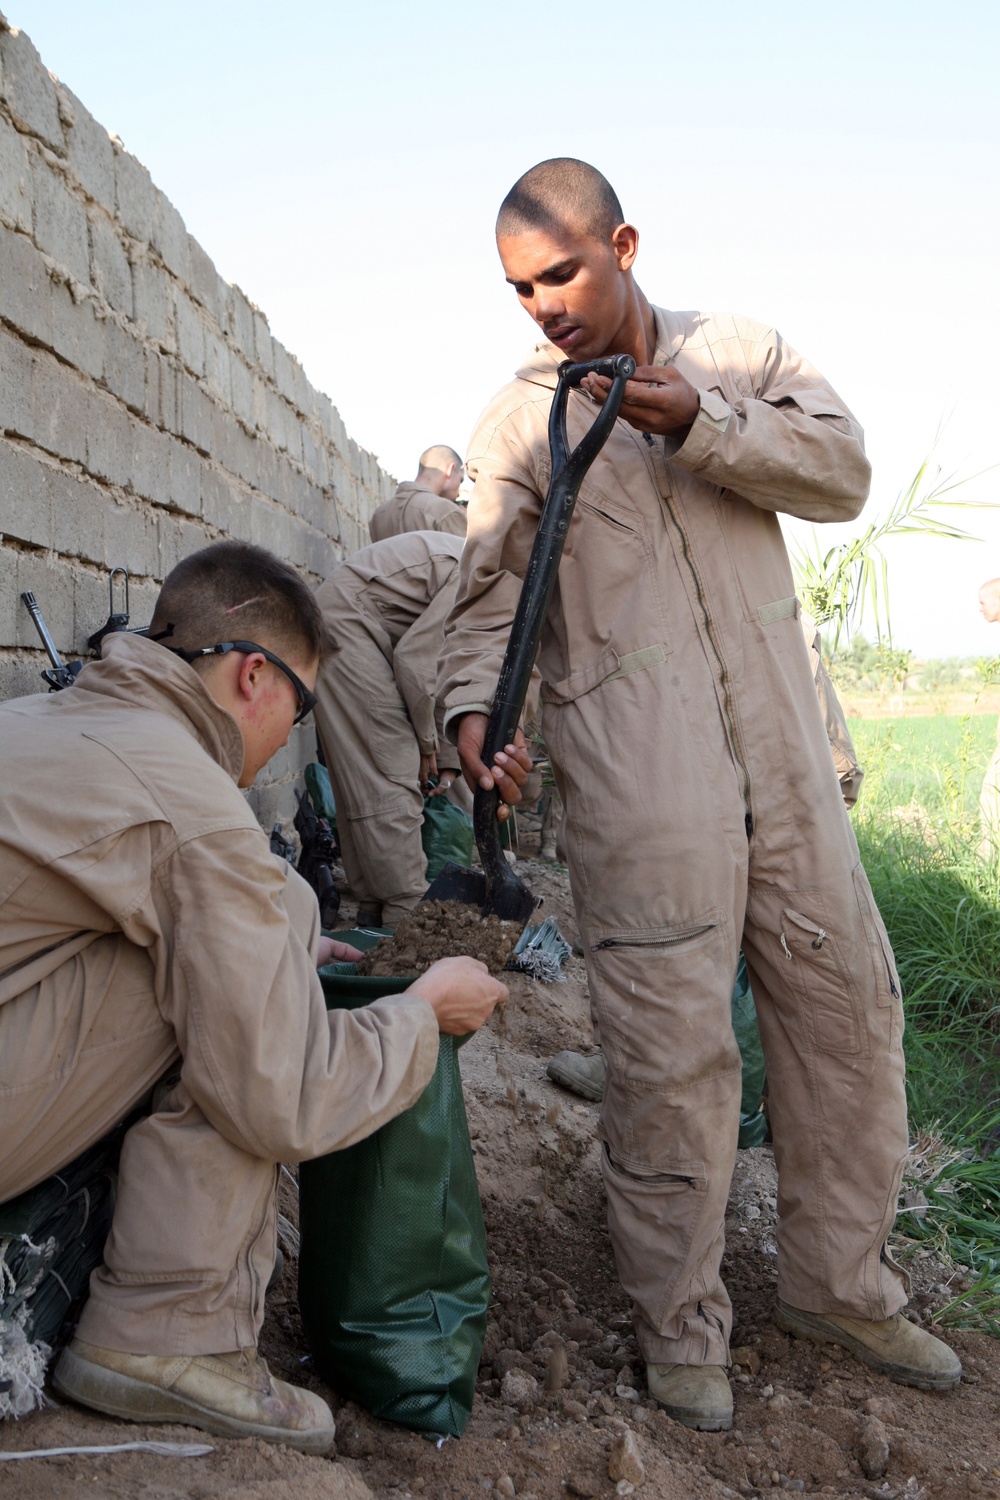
<point x="306" y="699"/>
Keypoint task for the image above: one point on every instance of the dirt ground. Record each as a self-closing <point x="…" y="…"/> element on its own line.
<point x="808" y="1420"/>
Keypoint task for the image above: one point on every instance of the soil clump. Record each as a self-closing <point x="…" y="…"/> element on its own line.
<point x="441" y="929"/>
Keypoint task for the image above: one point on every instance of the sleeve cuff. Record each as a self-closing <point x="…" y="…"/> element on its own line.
<point x="714" y="416"/>
<point x="453" y="714"/>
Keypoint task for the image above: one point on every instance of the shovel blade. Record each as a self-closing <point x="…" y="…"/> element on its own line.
<point x="508" y="899"/>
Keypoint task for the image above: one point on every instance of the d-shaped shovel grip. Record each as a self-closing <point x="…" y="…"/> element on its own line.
<point x="568" y="471"/>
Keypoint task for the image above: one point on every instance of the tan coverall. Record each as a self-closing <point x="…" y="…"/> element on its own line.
<point x="703" y="812"/>
<point x="845" y="757"/>
<point x="412" y="508"/>
<point x="144" y="923"/>
<point x="385" y="609"/>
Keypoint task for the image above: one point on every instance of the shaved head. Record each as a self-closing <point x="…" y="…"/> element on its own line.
<point x="557" y="195"/>
<point x="989" y="600"/>
<point x="439" y="457"/>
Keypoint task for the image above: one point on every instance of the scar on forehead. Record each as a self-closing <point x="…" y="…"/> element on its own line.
<point x="246" y="602"/>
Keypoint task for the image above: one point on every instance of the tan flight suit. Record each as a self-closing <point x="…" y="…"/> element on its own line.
<point x="144" y="924"/>
<point x="412" y="508"/>
<point x="385" y="609"/>
<point x="845" y="757"/>
<point x="703" y="813"/>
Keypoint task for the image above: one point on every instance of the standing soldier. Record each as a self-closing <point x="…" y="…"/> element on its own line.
<point x="673" y="661"/>
<point x="427" y="503"/>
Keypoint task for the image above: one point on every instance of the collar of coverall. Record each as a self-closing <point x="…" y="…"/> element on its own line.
<point x="542" y="364"/>
<point x="138" y="673"/>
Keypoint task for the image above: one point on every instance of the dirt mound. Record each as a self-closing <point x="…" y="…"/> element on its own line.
<point x="441" y="929"/>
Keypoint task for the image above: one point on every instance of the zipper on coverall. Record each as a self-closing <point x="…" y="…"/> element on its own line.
<point x="655" y="459"/>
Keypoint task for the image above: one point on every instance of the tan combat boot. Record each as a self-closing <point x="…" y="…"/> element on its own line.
<point x="697" y="1396"/>
<point x="230" y="1395"/>
<point x="892" y="1346"/>
<point x="580" y="1074"/>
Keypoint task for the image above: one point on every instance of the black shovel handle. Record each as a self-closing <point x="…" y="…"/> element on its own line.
<point x="568" y="471"/>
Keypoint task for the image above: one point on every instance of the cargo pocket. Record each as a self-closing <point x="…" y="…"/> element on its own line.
<point x="888" y="990"/>
<point x="392" y="743"/>
<point x="828" y="993"/>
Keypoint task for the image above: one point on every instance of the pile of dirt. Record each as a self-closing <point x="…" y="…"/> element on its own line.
<point x="441" y="929"/>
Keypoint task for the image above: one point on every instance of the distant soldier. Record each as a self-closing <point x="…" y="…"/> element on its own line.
<point x="427" y="503"/>
<point x="989" y="797"/>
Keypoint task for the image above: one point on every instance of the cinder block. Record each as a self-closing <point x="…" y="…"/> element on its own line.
<point x="242" y="391"/>
<point x="19" y="675"/>
<point x="298" y="533"/>
<point x="124" y="365"/>
<point x="153" y="304"/>
<point x="77" y="332"/>
<point x="190" y="538"/>
<point x="51" y="581"/>
<point x="190" y="333"/>
<point x="195" y="413"/>
<point x="170" y="238"/>
<point x="321" y="554"/>
<point x="25" y="507"/>
<point x="314" y="456"/>
<point x="184" y="478"/>
<point x="259" y="403"/>
<point x="60" y="220"/>
<point x="219" y="501"/>
<point x="161" y="391"/>
<point x="240" y="322"/>
<point x="266" y="467"/>
<point x="143" y="595"/>
<point x="110" y="272"/>
<point x="78" y="515"/>
<point x="15" y="387"/>
<point x="60" y="409"/>
<point x="28" y="91"/>
<point x="131" y="540"/>
<point x="205" y="283"/>
<point x="263" y="344"/>
<point x="90" y="607"/>
<point x="25" y="289"/>
<point x="109" y="448"/>
<point x="150" y="463"/>
<point x="135" y="195"/>
<point x="15" y="177"/>
<point x="10" y="601"/>
<point x="304" y="394"/>
<point x="218" y="366"/>
<point x="284" y="372"/>
<point x="89" y="151"/>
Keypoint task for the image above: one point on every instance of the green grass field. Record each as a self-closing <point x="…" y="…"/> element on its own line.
<point x="934" y="762"/>
<point x="918" y="830"/>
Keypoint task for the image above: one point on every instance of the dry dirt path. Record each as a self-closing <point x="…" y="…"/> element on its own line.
<point x="809" y="1420"/>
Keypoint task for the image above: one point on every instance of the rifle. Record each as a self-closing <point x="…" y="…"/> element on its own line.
<point x="63" y="674"/>
<point x="319" y="850"/>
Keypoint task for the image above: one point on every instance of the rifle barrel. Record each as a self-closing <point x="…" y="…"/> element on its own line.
<point x="43" y="630"/>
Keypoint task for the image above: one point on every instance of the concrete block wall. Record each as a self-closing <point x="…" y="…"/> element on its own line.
<point x="145" y="408"/>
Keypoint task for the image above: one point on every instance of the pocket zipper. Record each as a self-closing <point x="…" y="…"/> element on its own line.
<point x="652" y="942"/>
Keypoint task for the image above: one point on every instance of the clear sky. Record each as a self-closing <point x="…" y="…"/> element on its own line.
<point x="828" y="169"/>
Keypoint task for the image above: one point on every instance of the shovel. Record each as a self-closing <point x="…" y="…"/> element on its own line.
<point x="496" y="890"/>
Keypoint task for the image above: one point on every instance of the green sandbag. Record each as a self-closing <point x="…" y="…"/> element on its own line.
<point x="317" y="780"/>
<point x="393" y="1278"/>
<point x="446" y="835"/>
<point x="753" y="1125"/>
<point x="52" y="1237"/>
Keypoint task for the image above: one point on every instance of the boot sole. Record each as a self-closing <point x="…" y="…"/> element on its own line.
<point x="710" y="1422"/>
<point x="805" y="1325"/>
<point x="119" y="1395"/>
<point x="575" y="1086"/>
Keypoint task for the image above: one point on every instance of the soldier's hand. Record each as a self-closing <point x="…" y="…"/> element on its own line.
<point x="510" y="769"/>
<point x="461" y="992"/>
<point x="428" y="768"/>
<point x="331" y="951"/>
<point x="657" y="399"/>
